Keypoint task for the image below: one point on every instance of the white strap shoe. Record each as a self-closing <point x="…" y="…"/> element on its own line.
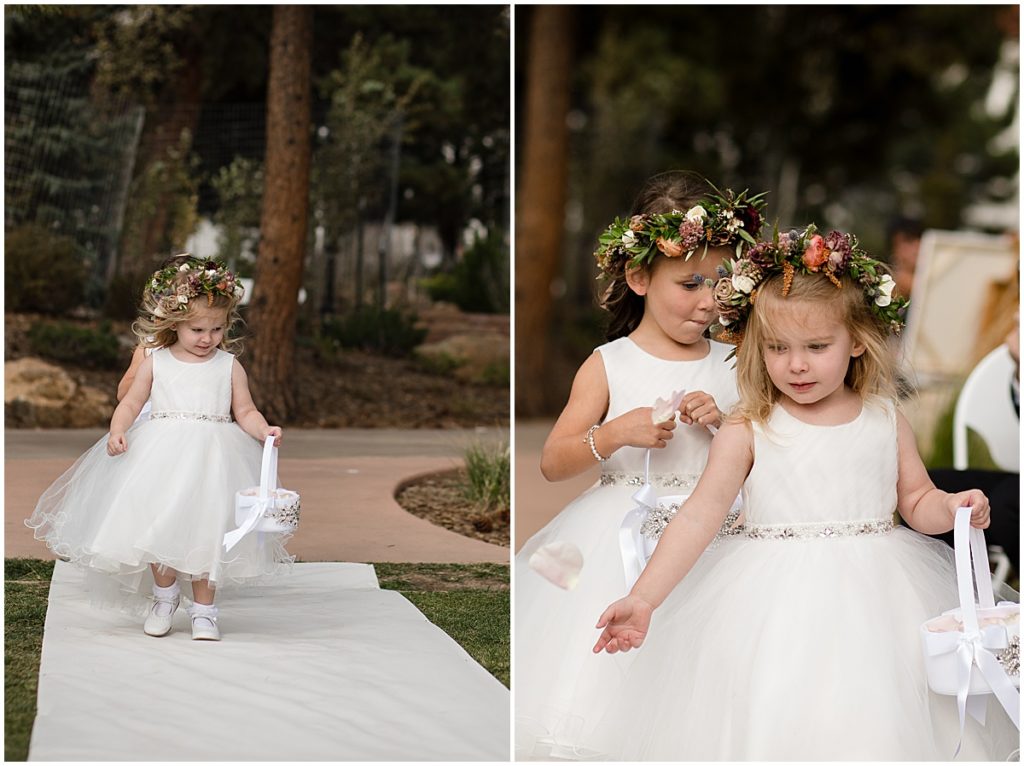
<point x="161" y="613"/>
<point x="204" y="622"/>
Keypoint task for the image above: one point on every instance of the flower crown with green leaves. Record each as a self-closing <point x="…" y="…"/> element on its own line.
<point x="808" y="252"/>
<point x="717" y="220"/>
<point x="173" y="287"/>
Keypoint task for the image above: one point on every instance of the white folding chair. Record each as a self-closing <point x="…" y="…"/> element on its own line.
<point x="985" y="406"/>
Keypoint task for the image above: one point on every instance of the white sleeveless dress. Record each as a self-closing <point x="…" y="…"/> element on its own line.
<point x="798" y="640"/>
<point x="561" y="689"/>
<point x="170" y="498"/>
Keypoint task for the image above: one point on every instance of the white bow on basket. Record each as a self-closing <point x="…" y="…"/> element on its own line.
<point x="266" y="508"/>
<point x="980" y="635"/>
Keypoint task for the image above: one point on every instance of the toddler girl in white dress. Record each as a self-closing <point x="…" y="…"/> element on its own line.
<point x="152" y="500"/>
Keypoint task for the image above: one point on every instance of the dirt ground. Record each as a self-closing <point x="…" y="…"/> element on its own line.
<point x="347" y="389"/>
<point x="439" y="500"/>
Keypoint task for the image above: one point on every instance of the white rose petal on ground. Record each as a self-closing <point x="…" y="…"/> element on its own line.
<point x="558" y="563"/>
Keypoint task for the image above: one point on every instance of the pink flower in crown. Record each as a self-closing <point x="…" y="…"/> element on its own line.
<point x="690" y="233"/>
<point x="762" y="254"/>
<point x="814" y="253"/>
<point x="838" y="245"/>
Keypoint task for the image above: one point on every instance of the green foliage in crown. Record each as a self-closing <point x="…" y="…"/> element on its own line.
<point x="722" y="219"/>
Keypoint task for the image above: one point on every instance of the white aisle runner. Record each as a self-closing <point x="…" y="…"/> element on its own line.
<point x="323" y="665"/>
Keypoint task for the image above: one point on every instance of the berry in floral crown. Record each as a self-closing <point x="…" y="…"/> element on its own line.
<point x="718" y="220"/>
<point x="173" y="288"/>
<point x="808" y="252"/>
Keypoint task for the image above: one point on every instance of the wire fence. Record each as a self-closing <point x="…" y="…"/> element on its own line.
<point x="68" y="160"/>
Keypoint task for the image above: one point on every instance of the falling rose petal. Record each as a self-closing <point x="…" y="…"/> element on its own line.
<point x="665" y="409"/>
<point x="558" y="563"/>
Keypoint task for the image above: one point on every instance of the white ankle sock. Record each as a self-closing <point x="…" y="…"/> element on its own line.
<point x="209" y="611"/>
<point x="162" y="606"/>
<point x="169" y="592"/>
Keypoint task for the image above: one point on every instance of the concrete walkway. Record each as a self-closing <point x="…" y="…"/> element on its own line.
<point x="347" y="479"/>
<point x="538" y="500"/>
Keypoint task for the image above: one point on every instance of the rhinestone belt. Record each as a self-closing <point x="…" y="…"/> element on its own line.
<point x="623" y="479"/>
<point x="177" y="415"/>
<point x="828" y="529"/>
<point x="659" y="517"/>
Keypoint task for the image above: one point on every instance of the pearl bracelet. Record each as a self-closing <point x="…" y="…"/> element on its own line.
<point x="590" y="442"/>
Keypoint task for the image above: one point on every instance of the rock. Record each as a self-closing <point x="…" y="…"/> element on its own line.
<point x="38" y="394"/>
<point x="89" y="408"/>
<point x="477" y="358"/>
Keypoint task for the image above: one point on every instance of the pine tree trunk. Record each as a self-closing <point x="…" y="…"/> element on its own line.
<point x="541" y="205"/>
<point x="283" y="219"/>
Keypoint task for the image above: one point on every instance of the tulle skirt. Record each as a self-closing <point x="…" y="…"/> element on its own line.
<point x="168" y="500"/>
<point x="797" y="650"/>
<point x="562" y="688"/>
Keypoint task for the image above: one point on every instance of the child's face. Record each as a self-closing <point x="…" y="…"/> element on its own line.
<point x="809" y="355"/>
<point x="200" y="334"/>
<point x="678" y="294"/>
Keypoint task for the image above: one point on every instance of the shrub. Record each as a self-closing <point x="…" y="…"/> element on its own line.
<point x="43" y="271"/>
<point x="389" y="331"/>
<point x="478" y="283"/>
<point x="83" y="346"/>
<point x="487" y="482"/>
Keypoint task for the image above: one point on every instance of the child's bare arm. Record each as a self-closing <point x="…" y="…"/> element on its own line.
<point x="246" y="415"/>
<point x="566" y="452"/>
<point x="130" y="407"/>
<point x="138" y="356"/>
<point x="921" y="504"/>
<point x="626" y="621"/>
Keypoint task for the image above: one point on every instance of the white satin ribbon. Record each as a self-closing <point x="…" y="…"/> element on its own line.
<point x="256" y="511"/>
<point x="268" y="476"/>
<point x="978" y="649"/>
<point x="631" y="542"/>
<point x="974" y="647"/>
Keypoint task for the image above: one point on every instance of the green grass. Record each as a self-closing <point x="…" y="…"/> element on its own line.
<point x="469" y="602"/>
<point x="26" y="586"/>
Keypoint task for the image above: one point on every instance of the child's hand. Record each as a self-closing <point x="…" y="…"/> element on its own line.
<point x="625" y="625"/>
<point x="116" y="444"/>
<point x="975" y="500"/>
<point x="700" y="408"/>
<point x="635" y="429"/>
<point x="273" y="431"/>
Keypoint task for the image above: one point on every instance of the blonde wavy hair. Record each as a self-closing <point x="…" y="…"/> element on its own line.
<point x="157" y="328"/>
<point x="873" y="373"/>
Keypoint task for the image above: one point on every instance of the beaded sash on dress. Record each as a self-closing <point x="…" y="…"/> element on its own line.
<point x="178" y="415"/>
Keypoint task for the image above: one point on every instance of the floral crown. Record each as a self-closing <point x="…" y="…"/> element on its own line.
<point x="808" y="252"/>
<point x="717" y="220"/>
<point x="173" y="287"/>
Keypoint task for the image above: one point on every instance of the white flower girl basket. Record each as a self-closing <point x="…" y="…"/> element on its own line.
<point x="974" y="650"/>
<point x="266" y="508"/>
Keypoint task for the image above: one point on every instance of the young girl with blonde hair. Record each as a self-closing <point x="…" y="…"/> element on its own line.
<point x="152" y="500"/>
<point x="799" y="640"/>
